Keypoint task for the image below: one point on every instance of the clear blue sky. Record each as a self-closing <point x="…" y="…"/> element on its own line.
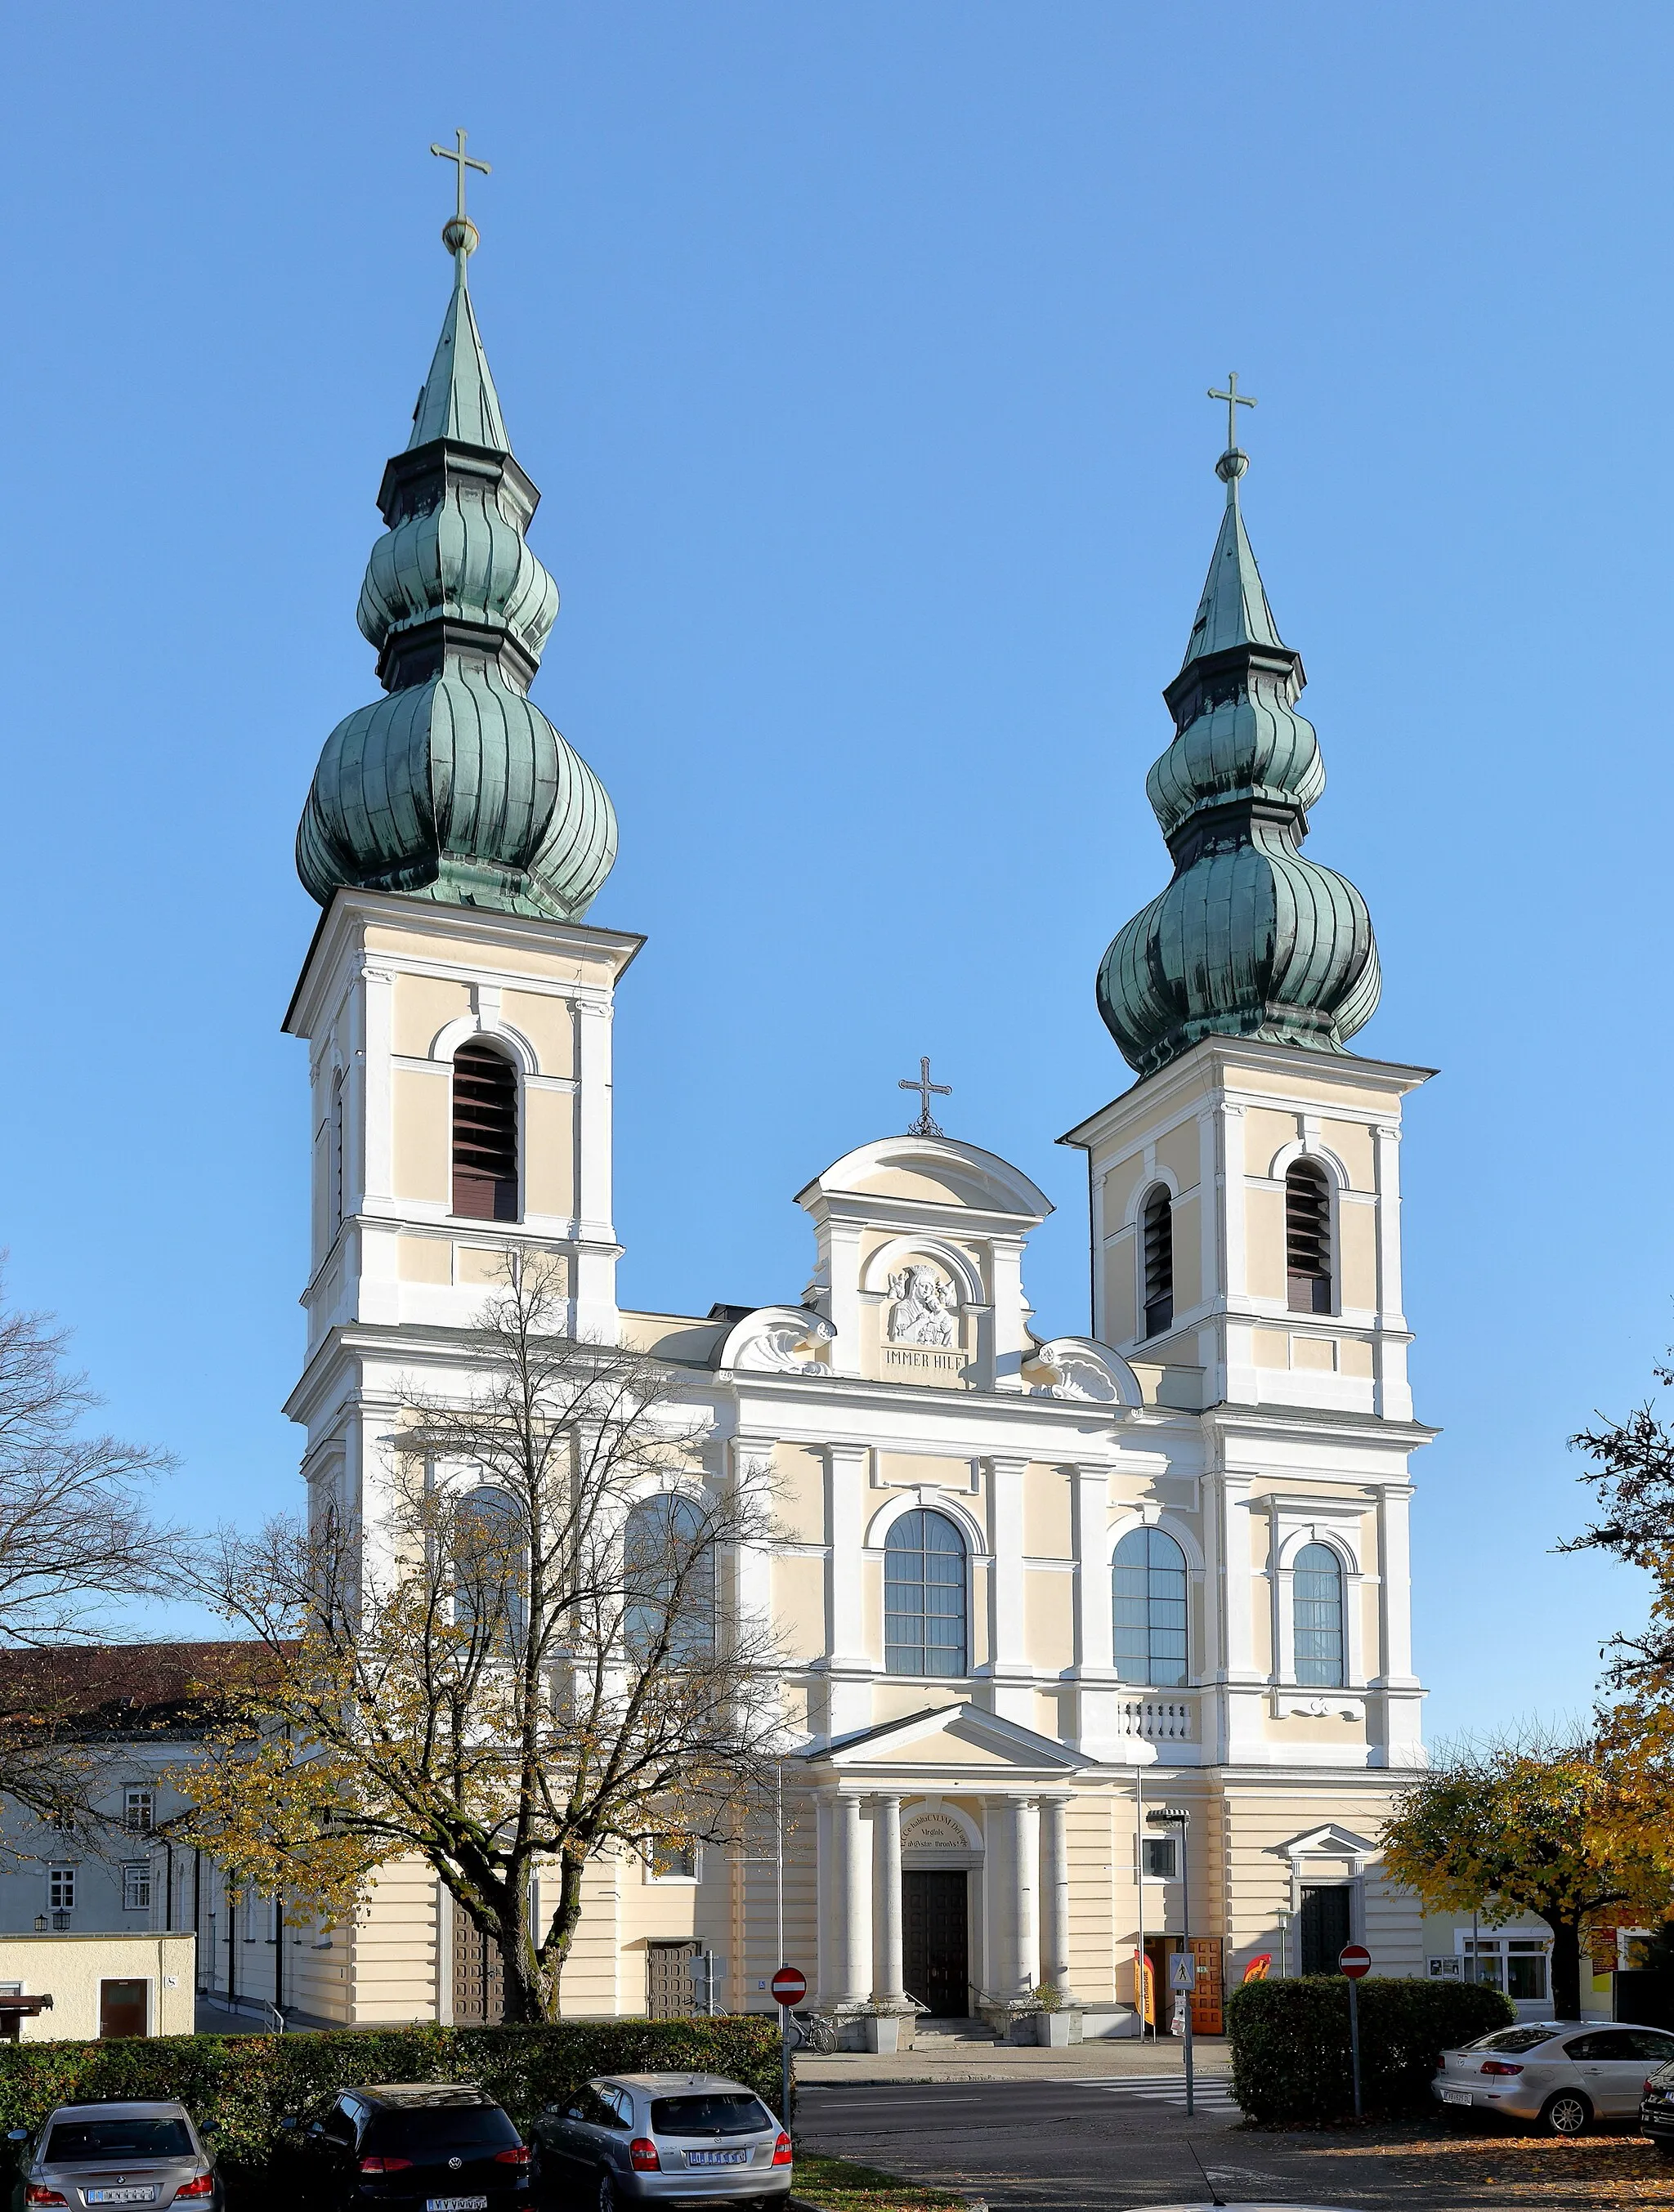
<point x="860" y="351"/>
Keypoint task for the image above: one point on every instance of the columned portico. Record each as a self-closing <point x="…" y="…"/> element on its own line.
<point x="845" y="1918"/>
<point x="887" y="1986"/>
<point x="1055" y="1893"/>
<point x="1013" y="1953"/>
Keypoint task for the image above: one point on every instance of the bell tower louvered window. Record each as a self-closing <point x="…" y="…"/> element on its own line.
<point x="1307" y="1240"/>
<point x="484" y="1135"/>
<point x="1157" y="1232"/>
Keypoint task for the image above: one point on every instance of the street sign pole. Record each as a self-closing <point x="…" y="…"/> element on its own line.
<point x="789" y="1987"/>
<point x="1353" y="1959"/>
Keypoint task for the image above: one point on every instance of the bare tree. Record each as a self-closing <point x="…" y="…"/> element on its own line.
<point x="75" y="1538"/>
<point x="519" y="1660"/>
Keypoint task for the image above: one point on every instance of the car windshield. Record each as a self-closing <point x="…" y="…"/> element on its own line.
<point x="717" y="2114"/>
<point x="439" y="2128"/>
<point x="74" y="2140"/>
<point x="1514" y="2038"/>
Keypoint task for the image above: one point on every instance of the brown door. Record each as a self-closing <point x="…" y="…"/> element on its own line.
<point x="936" y="1963"/>
<point x="1325" y="1926"/>
<point x="479" y="1978"/>
<point x="670" y="1992"/>
<point x="1207" y="2017"/>
<point x="122" y="2009"/>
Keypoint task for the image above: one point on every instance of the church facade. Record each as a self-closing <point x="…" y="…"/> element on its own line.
<point x="1031" y="1589"/>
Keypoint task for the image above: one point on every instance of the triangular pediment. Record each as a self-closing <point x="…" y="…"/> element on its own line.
<point x="961" y="1736"/>
<point x="1331" y="1840"/>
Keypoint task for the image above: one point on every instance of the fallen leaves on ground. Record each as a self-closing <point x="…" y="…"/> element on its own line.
<point x="1594" y="2170"/>
<point x="840" y="2185"/>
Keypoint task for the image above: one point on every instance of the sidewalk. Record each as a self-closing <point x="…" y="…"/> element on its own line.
<point x="1109" y="2057"/>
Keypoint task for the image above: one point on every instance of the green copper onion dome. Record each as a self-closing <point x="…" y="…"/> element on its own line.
<point x="1249" y="939"/>
<point x="454" y="787"/>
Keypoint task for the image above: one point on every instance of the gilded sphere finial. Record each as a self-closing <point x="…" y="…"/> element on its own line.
<point x="459" y="235"/>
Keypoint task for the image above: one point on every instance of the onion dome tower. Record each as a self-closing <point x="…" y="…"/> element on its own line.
<point x="1249" y="939"/>
<point x="454" y="787"/>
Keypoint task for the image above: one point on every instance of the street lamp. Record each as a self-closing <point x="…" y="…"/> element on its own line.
<point x="1178" y="1816"/>
<point x="1284" y="1919"/>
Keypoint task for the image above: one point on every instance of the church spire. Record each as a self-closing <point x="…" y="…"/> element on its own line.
<point x="455" y="787"/>
<point x="1249" y="938"/>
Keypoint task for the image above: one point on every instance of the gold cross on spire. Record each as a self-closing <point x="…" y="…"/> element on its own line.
<point x="1234" y="397"/>
<point x="459" y="236"/>
<point x="927" y="1124"/>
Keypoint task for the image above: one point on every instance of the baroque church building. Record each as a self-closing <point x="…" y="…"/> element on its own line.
<point x="1031" y="1589"/>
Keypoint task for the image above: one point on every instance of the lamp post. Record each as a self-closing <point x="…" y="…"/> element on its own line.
<point x="1176" y="1816"/>
<point x="1284" y="1918"/>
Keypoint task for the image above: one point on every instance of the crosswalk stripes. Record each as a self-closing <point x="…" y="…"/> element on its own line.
<point x="1211" y="2093"/>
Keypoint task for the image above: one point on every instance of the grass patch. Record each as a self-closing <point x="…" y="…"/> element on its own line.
<point x="839" y="2184"/>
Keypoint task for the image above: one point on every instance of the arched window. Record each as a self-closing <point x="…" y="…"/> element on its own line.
<point x="335" y="1163"/>
<point x="484" y="1135"/>
<point x="1307" y="1239"/>
<point x="924" y="1601"/>
<point x="1318" y="1615"/>
<point x="1148" y="1606"/>
<point x="491" y="1567"/>
<point x="1157" y="1237"/>
<point x="668" y="1575"/>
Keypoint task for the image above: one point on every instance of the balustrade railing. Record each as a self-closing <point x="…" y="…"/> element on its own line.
<point x="1161" y="1720"/>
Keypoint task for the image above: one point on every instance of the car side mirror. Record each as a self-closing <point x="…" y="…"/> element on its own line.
<point x="316" y="2127"/>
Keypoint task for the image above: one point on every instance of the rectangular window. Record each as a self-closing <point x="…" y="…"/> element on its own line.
<point x="61" y="1889"/>
<point x="138" y="1811"/>
<point x="136" y="1886"/>
<point x="667" y="1861"/>
<point x="1161" y="1858"/>
<point x="1525" y="1974"/>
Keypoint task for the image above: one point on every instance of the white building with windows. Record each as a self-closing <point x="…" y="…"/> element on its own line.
<point x="1030" y="1586"/>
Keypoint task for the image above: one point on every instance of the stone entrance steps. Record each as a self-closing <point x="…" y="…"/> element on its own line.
<point x="931" y="2034"/>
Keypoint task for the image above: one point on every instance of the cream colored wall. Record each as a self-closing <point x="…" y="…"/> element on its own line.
<point x="549" y="1024"/>
<point x="1188" y="1254"/>
<point x="799" y="1606"/>
<point x="1265" y="1244"/>
<point x="421" y="1105"/>
<point x="69" y="1969"/>
<point x="1357" y="1237"/>
<point x="1046" y="1527"/>
<point x="1121" y="1311"/>
<point x="685" y="1337"/>
<point x="424" y="1259"/>
<point x="1048" y="1618"/>
<point x="799" y="1493"/>
<point x="424" y="1004"/>
<point x="1179" y="1150"/>
<point x="393" y="1946"/>
<point x="549" y="1152"/>
<point x="570" y="963"/>
<point x="905" y="1470"/>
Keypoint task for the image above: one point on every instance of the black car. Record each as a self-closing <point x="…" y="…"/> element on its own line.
<point x="411" y="2146"/>
<point x="1656" y="2110"/>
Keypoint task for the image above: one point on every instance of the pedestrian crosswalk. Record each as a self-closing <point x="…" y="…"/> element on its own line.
<point x="1213" y="2093"/>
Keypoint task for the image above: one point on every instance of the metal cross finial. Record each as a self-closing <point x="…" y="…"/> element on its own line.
<point x="1234" y="397"/>
<point x="926" y="1125"/>
<point x="457" y="154"/>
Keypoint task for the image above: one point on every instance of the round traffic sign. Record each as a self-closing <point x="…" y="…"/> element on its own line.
<point x="789" y="1986"/>
<point x="1353" y="1959"/>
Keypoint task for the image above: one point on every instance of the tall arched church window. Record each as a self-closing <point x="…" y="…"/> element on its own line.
<point x="668" y="1575"/>
<point x="1148" y="1608"/>
<point x="490" y="1568"/>
<point x="1318" y="1600"/>
<point x="1157" y="1239"/>
<point x="334" y="1165"/>
<point x="924" y="1596"/>
<point x="1307" y="1239"/>
<point x="484" y="1135"/>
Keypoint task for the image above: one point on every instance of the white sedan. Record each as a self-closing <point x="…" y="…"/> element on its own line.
<point x="1561" y="2074"/>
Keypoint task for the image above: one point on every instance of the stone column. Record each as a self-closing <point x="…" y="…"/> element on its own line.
<point x="1055" y="1892"/>
<point x="886" y="1968"/>
<point x="1014" y="1956"/>
<point x="845" y="1922"/>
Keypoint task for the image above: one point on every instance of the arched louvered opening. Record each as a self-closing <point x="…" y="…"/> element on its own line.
<point x="1317" y="1599"/>
<point x="1148" y="1608"/>
<point x="1157" y="1236"/>
<point x="484" y="1135"/>
<point x="1307" y="1239"/>
<point x="924" y="1596"/>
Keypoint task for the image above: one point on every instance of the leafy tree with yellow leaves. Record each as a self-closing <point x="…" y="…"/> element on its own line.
<point x="514" y="1660"/>
<point x="1529" y="1825"/>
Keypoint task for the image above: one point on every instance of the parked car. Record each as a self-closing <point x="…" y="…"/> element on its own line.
<point x="411" y="2146"/>
<point x="1656" y="2110"/>
<point x="1561" y="2074"/>
<point x="663" y="2139"/>
<point x="114" y="2153"/>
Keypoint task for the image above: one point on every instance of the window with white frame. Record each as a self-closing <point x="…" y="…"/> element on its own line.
<point x="61" y="1889"/>
<point x="1316" y="1603"/>
<point x="139" y="1811"/>
<point x="136" y="1886"/>
<point x="1148" y="1608"/>
<point x="1515" y="1964"/>
<point x="667" y="1859"/>
<point x="1160" y="1857"/>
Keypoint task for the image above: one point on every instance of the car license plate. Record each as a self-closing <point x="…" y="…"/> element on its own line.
<point x="1456" y="2096"/>
<point x="456" y="2204"/>
<point x="121" y="2196"/>
<point x="717" y="2157"/>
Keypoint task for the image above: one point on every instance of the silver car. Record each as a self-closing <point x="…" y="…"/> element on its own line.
<point x="114" y="2153"/>
<point x="662" y="2139"/>
<point x="1560" y="2074"/>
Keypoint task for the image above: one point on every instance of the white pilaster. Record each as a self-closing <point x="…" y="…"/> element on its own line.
<point x="1008" y="1662"/>
<point x="1055" y="1892"/>
<point x="595" y="1260"/>
<point x="1013" y="1948"/>
<point x="846" y="1927"/>
<point x="886" y="1963"/>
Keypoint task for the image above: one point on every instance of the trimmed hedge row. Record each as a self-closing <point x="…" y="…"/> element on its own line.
<point x="240" y="2085"/>
<point x="1290" y="2043"/>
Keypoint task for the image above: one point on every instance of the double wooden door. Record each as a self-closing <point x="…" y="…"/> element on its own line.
<point x="935" y="1953"/>
<point x="479" y="1978"/>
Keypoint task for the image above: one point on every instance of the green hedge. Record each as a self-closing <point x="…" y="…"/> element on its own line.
<point x="1290" y="2043"/>
<point x="240" y="2085"/>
